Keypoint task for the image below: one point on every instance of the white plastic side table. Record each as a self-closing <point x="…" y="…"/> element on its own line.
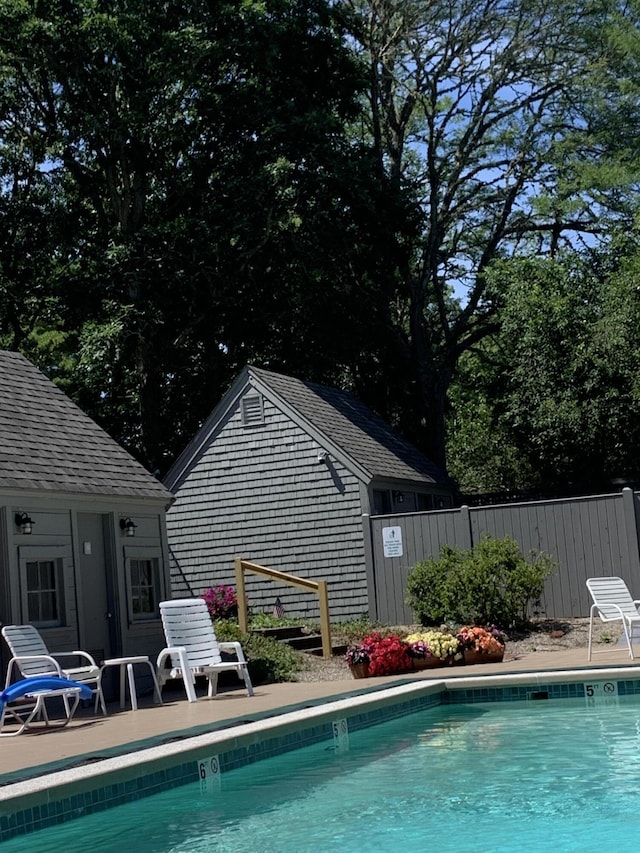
<point x="127" y="663"/>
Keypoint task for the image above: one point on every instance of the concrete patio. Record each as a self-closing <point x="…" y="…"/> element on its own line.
<point x="89" y="738"/>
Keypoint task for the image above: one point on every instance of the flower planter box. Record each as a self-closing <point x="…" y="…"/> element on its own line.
<point x="471" y="656"/>
<point x="359" y="670"/>
<point x="427" y="663"/>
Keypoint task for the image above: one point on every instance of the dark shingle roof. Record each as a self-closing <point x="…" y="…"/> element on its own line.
<point x="354" y="428"/>
<point x="47" y="442"/>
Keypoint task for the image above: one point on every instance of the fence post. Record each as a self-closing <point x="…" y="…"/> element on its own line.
<point x="370" y="566"/>
<point x="243" y="615"/>
<point x="631" y="529"/>
<point x="325" y="625"/>
<point x="465" y="517"/>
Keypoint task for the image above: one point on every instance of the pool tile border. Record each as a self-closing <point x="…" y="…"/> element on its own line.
<point x="69" y="794"/>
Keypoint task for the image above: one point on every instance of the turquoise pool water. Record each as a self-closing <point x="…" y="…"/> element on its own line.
<point x="532" y="777"/>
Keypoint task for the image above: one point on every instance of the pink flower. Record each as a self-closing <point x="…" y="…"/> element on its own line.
<point x="222" y="601"/>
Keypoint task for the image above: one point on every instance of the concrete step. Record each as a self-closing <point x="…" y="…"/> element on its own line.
<point x="297" y="638"/>
<point x="287" y="632"/>
<point x="305" y="642"/>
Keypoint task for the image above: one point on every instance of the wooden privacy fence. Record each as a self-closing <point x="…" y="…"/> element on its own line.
<point x="317" y="587"/>
<point x="587" y="537"/>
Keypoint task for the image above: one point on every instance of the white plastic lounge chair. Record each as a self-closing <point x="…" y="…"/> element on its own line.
<point x="194" y="649"/>
<point x="613" y="603"/>
<point x="31" y="658"/>
<point x="24" y="702"/>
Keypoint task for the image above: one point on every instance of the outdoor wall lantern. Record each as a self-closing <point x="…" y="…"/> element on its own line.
<point x="23" y="522"/>
<point x="127" y="526"/>
<point x="398" y="497"/>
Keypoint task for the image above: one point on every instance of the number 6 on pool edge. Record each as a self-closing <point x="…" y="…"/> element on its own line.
<point x="209" y="773"/>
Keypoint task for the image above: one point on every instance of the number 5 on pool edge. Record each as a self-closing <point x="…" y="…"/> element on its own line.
<point x="209" y="774"/>
<point x="601" y="693"/>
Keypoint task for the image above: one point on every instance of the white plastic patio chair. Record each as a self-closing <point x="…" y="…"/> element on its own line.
<point x="31" y="658"/>
<point x="613" y="603"/>
<point x="194" y="649"/>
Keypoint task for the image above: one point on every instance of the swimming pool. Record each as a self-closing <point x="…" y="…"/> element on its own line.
<point x="559" y="774"/>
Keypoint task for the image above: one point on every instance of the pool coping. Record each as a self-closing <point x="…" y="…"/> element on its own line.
<point x="63" y="794"/>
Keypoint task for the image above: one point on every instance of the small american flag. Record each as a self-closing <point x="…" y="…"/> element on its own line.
<point x="278" y="609"/>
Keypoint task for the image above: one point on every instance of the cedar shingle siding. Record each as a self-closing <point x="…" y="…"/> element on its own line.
<point x="281" y="474"/>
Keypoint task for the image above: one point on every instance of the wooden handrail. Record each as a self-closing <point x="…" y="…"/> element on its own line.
<point x="319" y="587"/>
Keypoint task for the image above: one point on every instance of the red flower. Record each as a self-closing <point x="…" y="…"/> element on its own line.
<point x="388" y="655"/>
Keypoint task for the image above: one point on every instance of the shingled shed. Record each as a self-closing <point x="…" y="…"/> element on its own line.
<point x="281" y="474"/>
<point x="83" y="551"/>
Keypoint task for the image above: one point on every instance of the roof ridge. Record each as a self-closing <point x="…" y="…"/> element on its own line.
<point x="363" y="434"/>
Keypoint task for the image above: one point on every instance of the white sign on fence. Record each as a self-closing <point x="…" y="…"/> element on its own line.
<point x="392" y="541"/>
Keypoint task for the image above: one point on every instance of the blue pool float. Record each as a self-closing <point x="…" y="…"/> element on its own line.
<point x="42" y="683"/>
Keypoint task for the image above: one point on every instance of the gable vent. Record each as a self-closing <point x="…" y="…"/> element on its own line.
<point x="252" y="410"/>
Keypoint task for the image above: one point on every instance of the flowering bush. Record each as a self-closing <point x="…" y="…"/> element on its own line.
<point x="485" y="640"/>
<point x="222" y="602"/>
<point x="500" y="636"/>
<point x="360" y="653"/>
<point x="419" y="649"/>
<point x="388" y="655"/>
<point x="439" y="643"/>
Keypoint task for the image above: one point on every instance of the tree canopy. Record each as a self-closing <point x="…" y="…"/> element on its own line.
<point x="184" y="173"/>
<point x="416" y="200"/>
<point x="472" y="109"/>
<point x="553" y="401"/>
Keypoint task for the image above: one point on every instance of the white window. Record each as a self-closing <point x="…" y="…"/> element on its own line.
<point x="43" y="592"/>
<point x="143" y="587"/>
<point x="143" y="583"/>
<point x="42" y="584"/>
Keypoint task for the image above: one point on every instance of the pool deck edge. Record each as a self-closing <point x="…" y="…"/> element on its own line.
<point x="186" y="747"/>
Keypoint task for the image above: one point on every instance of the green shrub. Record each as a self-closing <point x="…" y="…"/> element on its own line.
<point x="268" y="659"/>
<point x="227" y="630"/>
<point x="266" y="620"/>
<point x="353" y="630"/>
<point x="492" y="584"/>
<point x="432" y="587"/>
